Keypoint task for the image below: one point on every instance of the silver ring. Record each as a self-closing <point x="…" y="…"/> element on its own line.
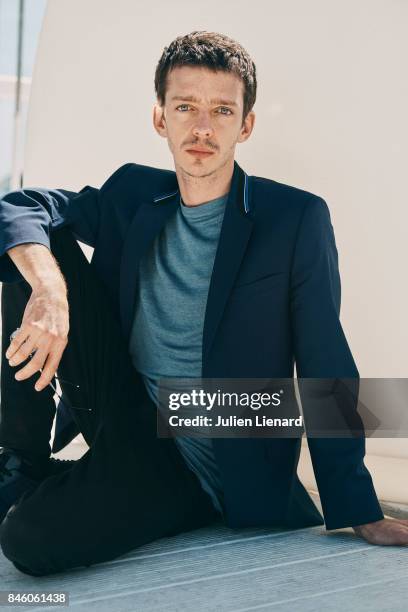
<point x="13" y="336"/>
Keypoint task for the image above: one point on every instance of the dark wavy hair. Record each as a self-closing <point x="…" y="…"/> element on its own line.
<point x="211" y="50"/>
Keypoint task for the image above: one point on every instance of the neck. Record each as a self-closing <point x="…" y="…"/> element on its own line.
<point x="195" y="190"/>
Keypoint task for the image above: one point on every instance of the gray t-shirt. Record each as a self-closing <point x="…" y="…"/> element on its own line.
<point x="166" y="337"/>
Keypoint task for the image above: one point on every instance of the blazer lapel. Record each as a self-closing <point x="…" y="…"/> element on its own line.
<point x="147" y="222"/>
<point x="235" y="231"/>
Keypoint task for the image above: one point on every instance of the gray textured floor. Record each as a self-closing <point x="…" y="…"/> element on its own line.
<point x="235" y="570"/>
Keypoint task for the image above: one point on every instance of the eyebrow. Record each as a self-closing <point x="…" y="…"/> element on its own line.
<point x="213" y="101"/>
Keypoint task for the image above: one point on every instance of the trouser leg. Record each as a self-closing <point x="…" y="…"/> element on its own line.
<point x="130" y="487"/>
<point x="111" y="502"/>
<point x="26" y="415"/>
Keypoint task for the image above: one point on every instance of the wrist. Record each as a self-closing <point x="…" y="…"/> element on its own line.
<point x="366" y="526"/>
<point x="51" y="285"/>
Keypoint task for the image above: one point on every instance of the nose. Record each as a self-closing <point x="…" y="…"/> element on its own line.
<point x="203" y="128"/>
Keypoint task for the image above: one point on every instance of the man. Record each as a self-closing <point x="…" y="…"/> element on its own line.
<point x="202" y="272"/>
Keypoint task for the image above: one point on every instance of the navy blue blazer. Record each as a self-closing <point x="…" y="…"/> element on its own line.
<point x="274" y="299"/>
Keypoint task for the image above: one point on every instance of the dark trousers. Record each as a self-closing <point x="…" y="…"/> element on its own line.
<point x="130" y="487"/>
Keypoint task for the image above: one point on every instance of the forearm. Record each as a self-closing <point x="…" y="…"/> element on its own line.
<point x="38" y="266"/>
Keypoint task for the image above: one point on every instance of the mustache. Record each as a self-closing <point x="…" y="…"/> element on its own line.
<point x="207" y="145"/>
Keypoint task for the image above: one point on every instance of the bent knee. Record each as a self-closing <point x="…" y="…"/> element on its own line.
<point x="24" y="544"/>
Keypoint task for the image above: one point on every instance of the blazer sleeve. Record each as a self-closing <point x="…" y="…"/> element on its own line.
<point x="321" y="352"/>
<point x="30" y="214"/>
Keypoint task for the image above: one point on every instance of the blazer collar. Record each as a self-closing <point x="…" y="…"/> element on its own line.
<point x="237" y="175"/>
<point x="151" y="217"/>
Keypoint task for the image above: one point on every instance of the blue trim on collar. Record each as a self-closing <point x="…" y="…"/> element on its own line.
<point x="246" y="201"/>
<point x="164" y="196"/>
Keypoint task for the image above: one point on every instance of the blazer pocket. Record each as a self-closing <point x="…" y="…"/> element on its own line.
<point x="258" y="286"/>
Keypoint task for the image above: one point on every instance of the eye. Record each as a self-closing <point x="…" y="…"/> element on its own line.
<point x="224" y="108"/>
<point x="180" y="105"/>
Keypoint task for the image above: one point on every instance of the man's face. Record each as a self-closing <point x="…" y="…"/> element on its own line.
<point x="203" y="110"/>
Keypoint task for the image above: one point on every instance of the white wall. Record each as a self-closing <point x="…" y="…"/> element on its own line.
<point x="331" y="118"/>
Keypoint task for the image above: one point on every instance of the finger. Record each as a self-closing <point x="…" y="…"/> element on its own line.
<point x="388" y="532"/>
<point x="20" y="336"/>
<point x="34" y="365"/>
<point x="401" y="537"/>
<point x="402" y="521"/>
<point x="49" y="369"/>
<point x="25" y="350"/>
<point x="396" y="534"/>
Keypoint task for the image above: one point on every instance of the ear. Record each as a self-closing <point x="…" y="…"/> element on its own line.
<point x="247" y="127"/>
<point x="159" y="120"/>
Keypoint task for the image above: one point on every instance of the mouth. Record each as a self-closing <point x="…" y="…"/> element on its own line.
<point x="200" y="152"/>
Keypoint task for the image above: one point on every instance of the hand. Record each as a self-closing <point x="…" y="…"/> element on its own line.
<point x="385" y="532"/>
<point x="44" y="332"/>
